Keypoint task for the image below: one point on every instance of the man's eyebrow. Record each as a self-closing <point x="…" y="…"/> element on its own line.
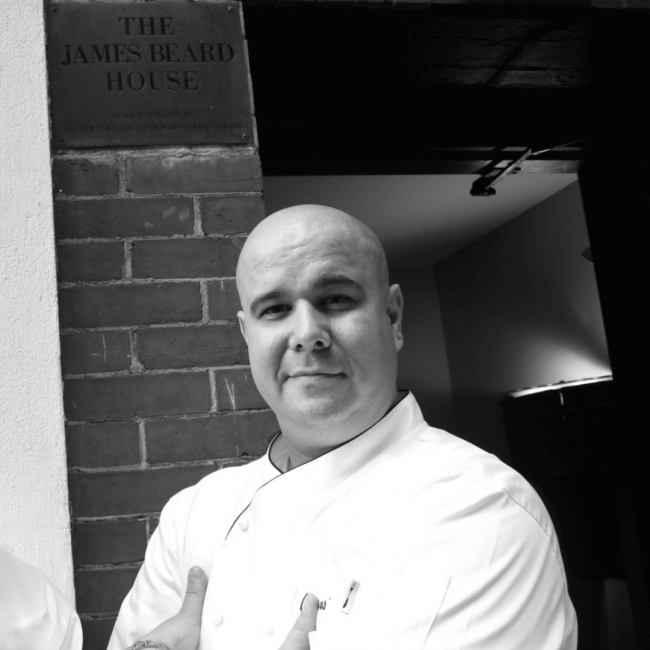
<point x="326" y="281"/>
<point x="323" y="282"/>
<point x="275" y="294"/>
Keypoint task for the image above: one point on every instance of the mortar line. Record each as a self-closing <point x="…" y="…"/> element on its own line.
<point x="139" y="282"/>
<point x="156" y="195"/>
<point x="121" y="174"/>
<point x="127" y="328"/>
<point x="152" y="372"/>
<point x="198" y="227"/>
<point x="72" y="241"/>
<point x="133" y="196"/>
<point x="128" y="273"/>
<point x="213" y="391"/>
<point x="156" y="467"/>
<point x="97" y="617"/>
<point x="142" y="444"/>
<point x="182" y="151"/>
<point x="203" y="289"/>
<point x="110" y="566"/>
<point x="173" y="416"/>
<point x="136" y="366"/>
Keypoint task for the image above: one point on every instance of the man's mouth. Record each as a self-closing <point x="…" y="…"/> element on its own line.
<point x="294" y="375"/>
<point x="313" y="373"/>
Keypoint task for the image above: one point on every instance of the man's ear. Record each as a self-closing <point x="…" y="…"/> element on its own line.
<point x="395" y="311"/>
<point x="242" y="324"/>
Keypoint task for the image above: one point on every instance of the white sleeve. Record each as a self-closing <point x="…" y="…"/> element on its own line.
<point x="33" y="612"/>
<point x="157" y="593"/>
<point x="515" y="597"/>
<point x="73" y="637"/>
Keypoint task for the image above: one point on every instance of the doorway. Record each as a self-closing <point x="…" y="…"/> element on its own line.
<point x="348" y="100"/>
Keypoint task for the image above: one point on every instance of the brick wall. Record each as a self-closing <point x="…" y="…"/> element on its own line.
<point x="158" y="391"/>
<point x="157" y="388"/>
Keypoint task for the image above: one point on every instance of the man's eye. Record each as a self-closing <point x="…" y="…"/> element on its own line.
<point x="275" y="310"/>
<point x="336" y="300"/>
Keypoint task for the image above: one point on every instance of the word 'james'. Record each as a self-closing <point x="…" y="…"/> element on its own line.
<point x="155" y="53"/>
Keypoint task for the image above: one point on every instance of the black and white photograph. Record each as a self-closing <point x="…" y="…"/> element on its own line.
<point x="322" y="323"/>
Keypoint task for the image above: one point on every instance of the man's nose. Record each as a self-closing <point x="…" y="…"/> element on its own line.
<point x="310" y="331"/>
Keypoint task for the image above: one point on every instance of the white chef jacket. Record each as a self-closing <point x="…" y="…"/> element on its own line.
<point x="410" y="537"/>
<point x="34" y="615"/>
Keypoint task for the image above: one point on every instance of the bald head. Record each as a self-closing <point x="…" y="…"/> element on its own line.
<point x="322" y="325"/>
<point x="317" y="225"/>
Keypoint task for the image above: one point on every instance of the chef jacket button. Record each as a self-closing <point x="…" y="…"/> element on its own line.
<point x="244" y="524"/>
<point x="217" y="619"/>
<point x="266" y="628"/>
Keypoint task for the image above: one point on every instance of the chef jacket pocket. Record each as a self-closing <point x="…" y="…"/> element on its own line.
<point x="383" y="611"/>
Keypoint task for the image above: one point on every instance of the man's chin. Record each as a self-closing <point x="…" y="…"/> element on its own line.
<point x="318" y="406"/>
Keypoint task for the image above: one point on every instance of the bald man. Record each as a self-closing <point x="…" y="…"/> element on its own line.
<point x="410" y="538"/>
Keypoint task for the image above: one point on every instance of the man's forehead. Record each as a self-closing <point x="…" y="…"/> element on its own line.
<point x="311" y="266"/>
<point x="293" y="249"/>
<point x="295" y="240"/>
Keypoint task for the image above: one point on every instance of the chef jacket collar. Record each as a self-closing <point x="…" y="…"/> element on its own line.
<point x="280" y="498"/>
<point x="349" y="456"/>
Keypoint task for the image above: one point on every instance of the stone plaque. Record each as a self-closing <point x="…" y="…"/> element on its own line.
<point x="154" y="73"/>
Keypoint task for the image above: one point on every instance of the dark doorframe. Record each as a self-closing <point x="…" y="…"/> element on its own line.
<point x="453" y="89"/>
<point x="617" y="210"/>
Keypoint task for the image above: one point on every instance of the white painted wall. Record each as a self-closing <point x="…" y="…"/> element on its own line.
<point x="420" y="219"/>
<point x="520" y="308"/>
<point x="34" y="515"/>
<point x="423" y="365"/>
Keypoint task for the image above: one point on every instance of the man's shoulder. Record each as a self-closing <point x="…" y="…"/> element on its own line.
<point x="479" y="475"/>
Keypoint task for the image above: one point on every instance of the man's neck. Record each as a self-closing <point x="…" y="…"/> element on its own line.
<point x="295" y="458"/>
<point x="286" y="458"/>
<point x="286" y="455"/>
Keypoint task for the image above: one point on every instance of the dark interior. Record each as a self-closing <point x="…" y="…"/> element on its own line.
<point x="465" y="89"/>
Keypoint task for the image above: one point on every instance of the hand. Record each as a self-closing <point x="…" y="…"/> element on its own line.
<point x="182" y="632"/>
<point x="297" y="638"/>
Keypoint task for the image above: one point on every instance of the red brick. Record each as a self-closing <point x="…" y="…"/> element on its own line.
<point x="207" y="438"/>
<point x="223" y="300"/>
<point x="102" y="590"/>
<point x="85" y="176"/>
<point x="130" y="304"/>
<point x="186" y="258"/>
<point x="231" y="214"/>
<point x="235" y="173"/>
<point x="192" y="347"/>
<point x="237" y="391"/>
<point x="97" y="632"/>
<point x="153" y="524"/>
<point x="132" y="395"/>
<point x="109" y="542"/>
<point x="90" y="262"/>
<point x="106" y="444"/>
<point x="124" y="218"/>
<point x="95" y="352"/>
<point x="133" y="492"/>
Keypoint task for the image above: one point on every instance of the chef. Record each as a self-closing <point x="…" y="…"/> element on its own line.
<point x="408" y="536"/>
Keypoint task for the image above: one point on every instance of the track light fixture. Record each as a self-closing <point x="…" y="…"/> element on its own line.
<point x="484" y="186"/>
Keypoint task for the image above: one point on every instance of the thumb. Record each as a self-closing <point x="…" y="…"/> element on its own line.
<point x="197" y="585"/>
<point x="297" y="638"/>
<point x="306" y="621"/>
